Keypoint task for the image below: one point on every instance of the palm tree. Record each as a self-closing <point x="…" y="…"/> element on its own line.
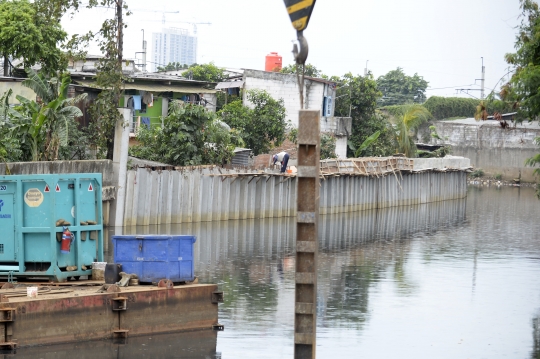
<point x="44" y="123"/>
<point x="407" y="124"/>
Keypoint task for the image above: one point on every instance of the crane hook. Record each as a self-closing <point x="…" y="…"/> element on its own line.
<point x="301" y="57"/>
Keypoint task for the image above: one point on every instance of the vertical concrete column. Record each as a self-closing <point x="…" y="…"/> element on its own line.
<point x="128" y="210"/>
<point x="120" y="157"/>
<point x="154" y="200"/>
<point x="305" y="319"/>
<point x="176" y="209"/>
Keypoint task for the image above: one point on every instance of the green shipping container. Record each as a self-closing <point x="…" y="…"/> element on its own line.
<point x="35" y="210"/>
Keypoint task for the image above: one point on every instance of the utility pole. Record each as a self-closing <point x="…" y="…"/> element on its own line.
<point x="365" y="69"/>
<point x="143" y="52"/>
<point x="482" y="80"/>
<point x="119" y="9"/>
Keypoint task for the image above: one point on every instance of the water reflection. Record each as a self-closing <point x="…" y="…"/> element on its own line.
<point x="190" y="345"/>
<point x="253" y="262"/>
<point x="445" y="280"/>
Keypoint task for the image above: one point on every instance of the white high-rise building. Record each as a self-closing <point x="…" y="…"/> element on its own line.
<point x="173" y="45"/>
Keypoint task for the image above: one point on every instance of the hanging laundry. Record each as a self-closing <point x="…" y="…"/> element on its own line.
<point x="130" y="103"/>
<point x="146" y="121"/>
<point x="136" y="102"/>
<point x="148" y="99"/>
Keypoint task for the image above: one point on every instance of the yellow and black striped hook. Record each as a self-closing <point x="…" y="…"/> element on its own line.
<point x="300" y="13"/>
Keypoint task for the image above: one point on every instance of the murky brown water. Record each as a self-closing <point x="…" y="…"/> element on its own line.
<point x="457" y="279"/>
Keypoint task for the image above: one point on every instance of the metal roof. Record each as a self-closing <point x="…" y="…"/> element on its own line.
<point x="229" y="84"/>
<point x="152" y="87"/>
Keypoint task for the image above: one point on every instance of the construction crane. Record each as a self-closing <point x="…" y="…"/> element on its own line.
<point x="194" y="24"/>
<point x="163" y="12"/>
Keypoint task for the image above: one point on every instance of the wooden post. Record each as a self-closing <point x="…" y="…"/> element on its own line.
<point x="305" y="318"/>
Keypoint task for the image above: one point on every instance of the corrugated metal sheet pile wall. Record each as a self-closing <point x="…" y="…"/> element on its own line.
<point x="202" y="194"/>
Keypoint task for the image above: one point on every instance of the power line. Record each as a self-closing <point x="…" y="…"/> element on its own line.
<point x="449" y="87"/>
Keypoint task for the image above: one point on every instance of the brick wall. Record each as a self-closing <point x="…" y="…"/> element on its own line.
<point x="261" y="161"/>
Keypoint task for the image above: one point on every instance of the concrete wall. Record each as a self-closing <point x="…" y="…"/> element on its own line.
<point x="441" y="163"/>
<point x="16" y="86"/>
<point x="341" y="146"/>
<point x="191" y="195"/>
<point x="495" y="150"/>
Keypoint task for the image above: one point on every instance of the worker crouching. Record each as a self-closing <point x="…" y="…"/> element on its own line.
<point x="283" y="158"/>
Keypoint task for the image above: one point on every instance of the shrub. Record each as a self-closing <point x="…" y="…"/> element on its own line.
<point x="477" y="173"/>
<point x="456" y="107"/>
<point x="328" y="146"/>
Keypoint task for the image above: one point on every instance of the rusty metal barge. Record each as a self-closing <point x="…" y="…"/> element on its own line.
<point x="65" y="313"/>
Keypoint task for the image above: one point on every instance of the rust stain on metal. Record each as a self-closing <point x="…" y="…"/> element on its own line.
<point x="86" y="315"/>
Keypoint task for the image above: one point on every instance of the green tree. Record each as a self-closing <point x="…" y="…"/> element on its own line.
<point x="30" y="35"/>
<point x="262" y="126"/>
<point x="357" y="96"/>
<point x="109" y="78"/>
<point x="205" y="72"/>
<point x="171" y="66"/>
<point x="523" y="89"/>
<point x="398" y="88"/>
<point x="412" y="117"/>
<point x="310" y="71"/>
<point x="191" y="135"/>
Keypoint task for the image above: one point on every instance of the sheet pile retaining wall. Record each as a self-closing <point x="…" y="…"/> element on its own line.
<point x="192" y="195"/>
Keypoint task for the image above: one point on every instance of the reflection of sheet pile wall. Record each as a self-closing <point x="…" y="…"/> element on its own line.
<point x="219" y="241"/>
<point x="204" y="194"/>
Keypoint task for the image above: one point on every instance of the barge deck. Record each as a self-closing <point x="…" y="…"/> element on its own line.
<point x="65" y="313"/>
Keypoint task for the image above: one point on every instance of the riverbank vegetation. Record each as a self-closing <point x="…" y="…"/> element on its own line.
<point x="190" y="136"/>
<point x="522" y="90"/>
<point x="261" y="126"/>
<point x="44" y="129"/>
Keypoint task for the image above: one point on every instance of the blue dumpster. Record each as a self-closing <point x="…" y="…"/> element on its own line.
<point x="156" y="257"/>
<point x="34" y="213"/>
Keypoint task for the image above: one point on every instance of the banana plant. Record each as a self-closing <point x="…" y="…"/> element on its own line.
<point x="367" y="142"/>
<point x="43" y="124"/>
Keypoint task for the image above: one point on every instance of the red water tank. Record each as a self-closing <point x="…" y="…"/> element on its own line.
<point x="273" y="62"/>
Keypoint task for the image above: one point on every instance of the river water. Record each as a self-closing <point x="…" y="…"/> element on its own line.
<point x="455" y="279"/>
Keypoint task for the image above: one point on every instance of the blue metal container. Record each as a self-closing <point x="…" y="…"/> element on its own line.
<point x="31" y="206"/>
<point x="156" y="257"/>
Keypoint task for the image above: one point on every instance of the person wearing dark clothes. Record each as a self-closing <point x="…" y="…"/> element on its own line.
<point x="283" y="158"/>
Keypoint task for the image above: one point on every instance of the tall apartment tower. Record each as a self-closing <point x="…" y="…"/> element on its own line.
<point x="173" y="45"/>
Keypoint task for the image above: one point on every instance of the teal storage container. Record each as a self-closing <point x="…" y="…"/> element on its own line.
<point x="156" y="257"/>
<point x="30" y="240"/>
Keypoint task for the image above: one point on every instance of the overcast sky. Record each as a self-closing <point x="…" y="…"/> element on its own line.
<point x="442" y="40"/>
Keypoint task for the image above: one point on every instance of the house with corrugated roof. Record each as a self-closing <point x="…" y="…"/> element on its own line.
<point x="148" y="94"/>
